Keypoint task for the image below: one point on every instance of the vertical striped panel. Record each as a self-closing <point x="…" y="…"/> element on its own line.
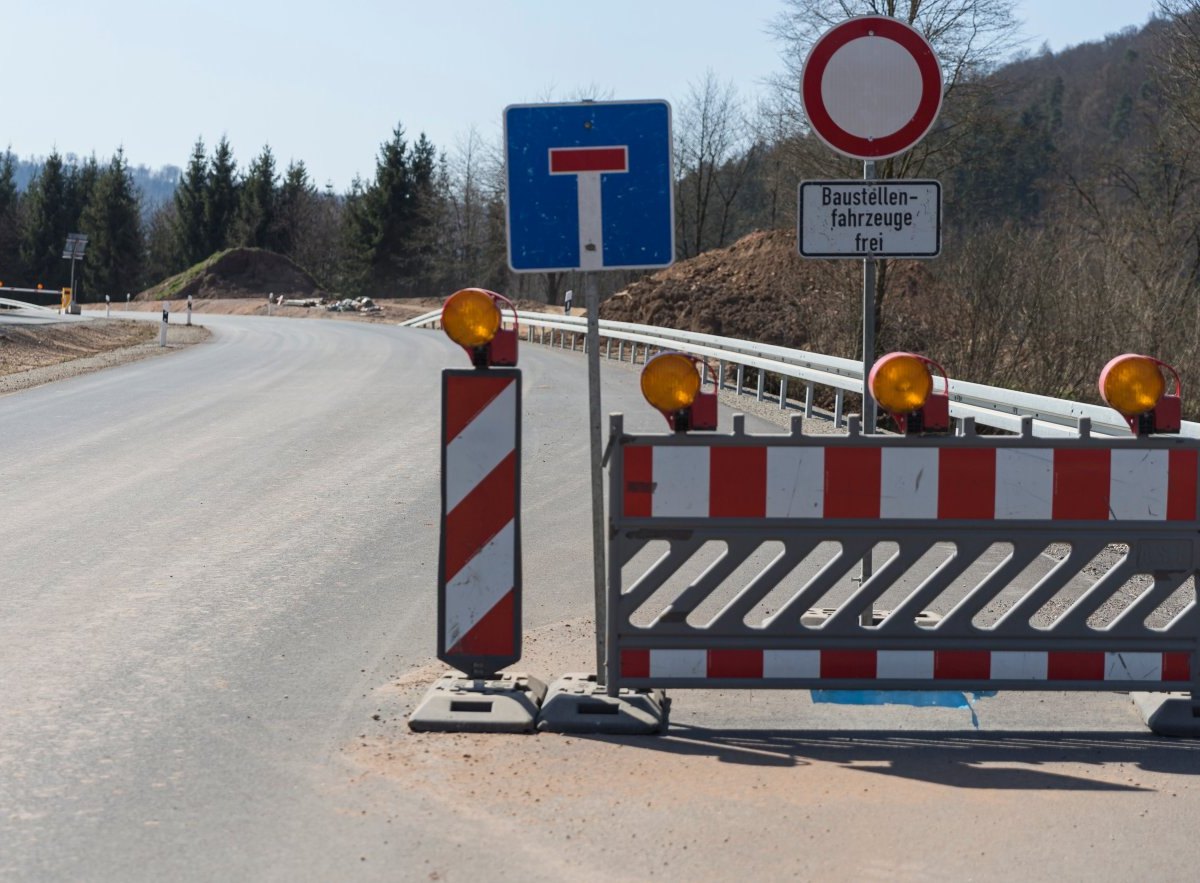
<point x="909" y="483"/>
<point x="795" y="482"/>
<point x="1024" y="483"/>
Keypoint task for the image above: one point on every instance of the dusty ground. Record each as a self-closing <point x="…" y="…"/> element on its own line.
<point x="31" y="355"/>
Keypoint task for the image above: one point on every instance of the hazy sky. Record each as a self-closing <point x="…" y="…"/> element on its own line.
<point x="326" y="82"/>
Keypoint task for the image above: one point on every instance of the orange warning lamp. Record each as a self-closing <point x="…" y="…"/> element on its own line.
<point x="903" y="385"/>
<point x="471" y="318"/>
<point x="1134" y="386"/>
<point x="671" y="384"/>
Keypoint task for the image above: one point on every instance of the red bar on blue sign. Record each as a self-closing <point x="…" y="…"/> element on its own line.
<point x="573" y="160"/>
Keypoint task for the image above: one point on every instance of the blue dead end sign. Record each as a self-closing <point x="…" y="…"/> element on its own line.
<point x="589" y="186"/>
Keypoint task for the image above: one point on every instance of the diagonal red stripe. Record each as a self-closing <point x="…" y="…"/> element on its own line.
<point x="481" y="515"/>
<point x="466" y="396"/>
<point x="494" y="635"/>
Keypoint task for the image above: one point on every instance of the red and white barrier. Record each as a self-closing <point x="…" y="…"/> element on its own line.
<point x="479" y="573"/>
<point x="908" y="665"/>
<point x="874" y="482"/>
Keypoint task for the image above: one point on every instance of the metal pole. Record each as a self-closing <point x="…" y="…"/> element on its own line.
<point x="592" y="294"/>
<point x="867" y="617"/>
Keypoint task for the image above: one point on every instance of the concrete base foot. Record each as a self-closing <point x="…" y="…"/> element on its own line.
<point x="459" y="704"/>
<point x="1169" y="714"/>
<point x="577" y="704"/>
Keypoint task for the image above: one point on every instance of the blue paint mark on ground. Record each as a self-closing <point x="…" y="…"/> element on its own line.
<point x="914" y="698"/>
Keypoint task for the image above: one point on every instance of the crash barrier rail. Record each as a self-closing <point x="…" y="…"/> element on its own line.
<point x="990" y="406"/>
<point x="986" y="562"/>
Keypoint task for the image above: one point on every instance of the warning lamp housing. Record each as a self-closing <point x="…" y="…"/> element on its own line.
<point x="902" y="384"/>
<point x="671" y="384"/>
<point x="1133" y="385"/>
<point x="471" y="317"/>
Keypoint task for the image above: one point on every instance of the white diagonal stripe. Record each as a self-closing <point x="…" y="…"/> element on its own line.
<point x="481" y="584"/>
<point x="479" y="448"/>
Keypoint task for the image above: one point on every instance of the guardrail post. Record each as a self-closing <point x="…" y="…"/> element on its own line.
<point x="762" y="381"/>
<point x="808" y="400"/>
<point x="741" y="376"/>
<point x="838" y="401"/>
<point x="608" y="348"/>
<point x="720" y="376"/>
<point x="783" y="382"/>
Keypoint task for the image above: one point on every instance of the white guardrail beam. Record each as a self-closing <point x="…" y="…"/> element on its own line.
<point x="1002" y="409"/>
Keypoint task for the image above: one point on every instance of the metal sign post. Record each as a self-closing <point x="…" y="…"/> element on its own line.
<point x="589" y="187"/>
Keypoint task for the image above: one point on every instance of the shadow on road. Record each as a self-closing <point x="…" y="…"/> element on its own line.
<point x="997" y="760"/>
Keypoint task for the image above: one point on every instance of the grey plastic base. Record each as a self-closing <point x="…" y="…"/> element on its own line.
<point x="459" y="704"/>
<point x="577" y="704"/>
<point x="1169" y="714"/>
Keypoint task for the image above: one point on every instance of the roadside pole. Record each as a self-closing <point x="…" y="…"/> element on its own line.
<point x="592" y="295"/>
<point x="166" y="319"/>
<point x="869" y="414"/>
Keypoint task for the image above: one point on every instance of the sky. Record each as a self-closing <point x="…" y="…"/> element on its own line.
<point x="327" y="82"/>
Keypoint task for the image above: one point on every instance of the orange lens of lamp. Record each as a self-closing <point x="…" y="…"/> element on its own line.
<point x="470" y="317"/>
<point x="901" y="383"/>
<point x="1132" y="384"/>
<point x="670" y="382"/>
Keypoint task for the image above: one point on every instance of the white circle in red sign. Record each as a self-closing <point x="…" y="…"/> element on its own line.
<point x="871" y="87"/>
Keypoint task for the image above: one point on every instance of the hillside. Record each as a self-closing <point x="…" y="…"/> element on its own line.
<point x="238" y="272"/>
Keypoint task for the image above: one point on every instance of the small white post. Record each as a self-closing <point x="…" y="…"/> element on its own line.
<point x="107" y="306"/>
<point x="189" y="308"/>
<point x="127" y="301"/>
<point x="166" y="320"/>
<point x="271" y="304"/>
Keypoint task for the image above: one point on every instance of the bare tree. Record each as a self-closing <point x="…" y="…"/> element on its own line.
<point x="713" y="154"/>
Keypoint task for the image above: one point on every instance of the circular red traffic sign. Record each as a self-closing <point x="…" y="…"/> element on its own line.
<point x="871" y="87"/>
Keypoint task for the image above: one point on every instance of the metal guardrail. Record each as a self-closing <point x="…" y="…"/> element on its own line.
<point x="999" y="408"/>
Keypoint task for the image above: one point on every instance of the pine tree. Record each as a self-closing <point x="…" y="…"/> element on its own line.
<point x="257" y="203"/>
<point x="10" y="244"/>
<point x="221" y="197"/>
<point x="190" y="225"/>
<point x="112" y="221"/>
<point x="296" y="208"/>
<point x="46" y="224"/>
<point x="81" y="184"/>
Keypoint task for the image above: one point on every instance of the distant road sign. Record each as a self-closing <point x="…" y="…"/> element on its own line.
<point x="891" y="218"/>
<point x="871" y="87"/>
<point x="590" y="186"/>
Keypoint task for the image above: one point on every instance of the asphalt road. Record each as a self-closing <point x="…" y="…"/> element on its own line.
<point x="219" y="579"/>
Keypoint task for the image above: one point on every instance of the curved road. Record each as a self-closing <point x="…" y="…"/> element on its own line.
<point x="218" y="570"/>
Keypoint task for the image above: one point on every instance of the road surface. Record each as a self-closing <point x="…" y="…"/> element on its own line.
<point x="218" y="607"/>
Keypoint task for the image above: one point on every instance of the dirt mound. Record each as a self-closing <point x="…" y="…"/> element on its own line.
<point x="760" y="288"/>
<point x="238" y="272"/>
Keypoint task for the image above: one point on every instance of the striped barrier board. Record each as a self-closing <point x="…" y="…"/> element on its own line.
<point x="965" y="562"/>
<point x="1059" y="669"/>
<point x="479" y="561"/>
<point x="910" y="483"/>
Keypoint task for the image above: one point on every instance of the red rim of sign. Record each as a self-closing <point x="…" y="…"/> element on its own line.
<point x="927" y="108"/>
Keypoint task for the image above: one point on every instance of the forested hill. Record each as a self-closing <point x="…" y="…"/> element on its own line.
<point x="156" y="185"/>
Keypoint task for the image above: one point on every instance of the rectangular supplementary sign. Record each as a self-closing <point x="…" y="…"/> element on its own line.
<point x="863" y="219"/>
<point x="589" y="186"/>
